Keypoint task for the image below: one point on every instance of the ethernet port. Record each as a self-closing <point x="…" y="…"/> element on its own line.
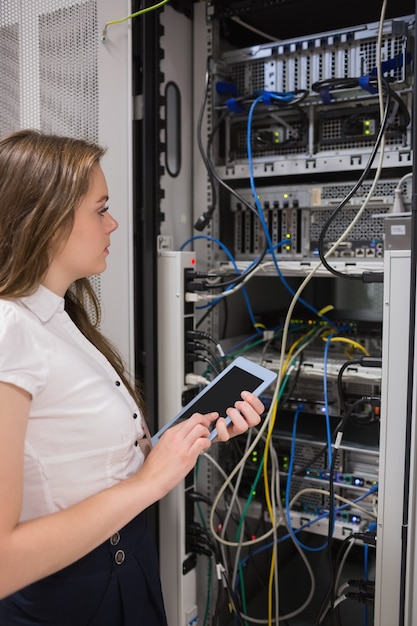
<point x="359" y="252"/>
<point x="370" y="252"/>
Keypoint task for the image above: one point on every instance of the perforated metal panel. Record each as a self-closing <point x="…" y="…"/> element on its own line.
<point x="49" y="69"/>
<point x="9" y="78"/>
<point x="68" y="40"/>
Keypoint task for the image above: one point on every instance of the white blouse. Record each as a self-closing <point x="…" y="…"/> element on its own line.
<point x="83" y="425"/>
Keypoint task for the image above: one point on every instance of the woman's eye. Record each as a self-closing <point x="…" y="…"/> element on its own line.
<point x="103" y="210"/>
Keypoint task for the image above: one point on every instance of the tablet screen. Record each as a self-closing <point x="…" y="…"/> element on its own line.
<point x="224" y="392"/>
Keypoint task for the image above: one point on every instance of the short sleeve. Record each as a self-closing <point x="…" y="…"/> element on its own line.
<point x="23" y="361"/>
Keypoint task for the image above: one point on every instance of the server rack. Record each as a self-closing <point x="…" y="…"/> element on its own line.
<point x="301" y="177"/>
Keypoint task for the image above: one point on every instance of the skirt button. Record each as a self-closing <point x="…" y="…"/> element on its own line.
<point x="119" y="557"/>
<point x="114" y="539"/>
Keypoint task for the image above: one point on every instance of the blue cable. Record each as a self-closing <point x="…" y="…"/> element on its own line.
<point x="242" y="343"/>
<point x="371" y="528"/>
<point x="300" y="407"/>
<point x="232" y="260"/>
<point x="259" y="208"/>
<point x="323" y="515"/>
<point x="326" y="402"/>
<point x="366" y="575"/>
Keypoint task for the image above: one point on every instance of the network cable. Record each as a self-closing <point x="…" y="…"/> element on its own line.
<point x="268" y="423"/>
<point x="213" y="176"/>
<point x="269" y="418"/>
<point x="357" y="185"/>
<point x="382" y="85"/>
<point x="232" y="286"/>
<point x="231" y="259"/>
<point x="131" y="16"/>
<point x="328" y="604"/>
<point x="268" y="240"/>
<point x="346" y="417"/>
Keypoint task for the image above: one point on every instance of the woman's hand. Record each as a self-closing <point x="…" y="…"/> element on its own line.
<point x="176" y="452"/>
<point x="246" y="413"/>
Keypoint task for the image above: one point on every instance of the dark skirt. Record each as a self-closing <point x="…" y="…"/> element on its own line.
<point x="117" y="584"/>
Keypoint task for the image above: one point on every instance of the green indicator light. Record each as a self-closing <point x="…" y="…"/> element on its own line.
<point x="288" y="236"/>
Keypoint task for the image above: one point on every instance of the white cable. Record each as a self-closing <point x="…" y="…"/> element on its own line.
<point x="398" y="206"/>
<point x="195" y="379"/>
<point x="254" y="30"/>
<point x="300" y="609"/>
<point x="325" y="492"/>
<point x="228" y="516"/>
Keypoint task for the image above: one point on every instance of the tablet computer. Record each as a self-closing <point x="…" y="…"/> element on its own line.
<point x="224" y="390"/>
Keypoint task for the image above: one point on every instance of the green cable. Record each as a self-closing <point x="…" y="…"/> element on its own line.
<point x="248" y="502"/>
<point x="141" y="12"/>
<point x="242" y="519"/>
<point x="210" y="574"/>
<point x="131" y="16"/>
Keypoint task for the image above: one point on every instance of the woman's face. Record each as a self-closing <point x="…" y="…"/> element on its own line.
<point x="85" y="251"/>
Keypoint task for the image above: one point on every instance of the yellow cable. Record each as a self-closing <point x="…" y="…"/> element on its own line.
<point x="294" y="345"/>
<point x="129" y="17"/>
<point x="265" y="467"/>
<point x="271" y="585"/>
<point x="352" y="342"/>
<point x="325" y="310"/>
<point x="269" y="506"/>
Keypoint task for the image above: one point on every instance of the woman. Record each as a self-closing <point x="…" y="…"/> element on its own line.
<point x="74" y="481"/>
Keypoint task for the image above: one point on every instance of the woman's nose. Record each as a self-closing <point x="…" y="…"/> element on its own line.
<point x="113" y="223"/>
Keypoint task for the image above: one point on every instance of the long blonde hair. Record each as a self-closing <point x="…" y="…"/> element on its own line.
<point x="43" y="179"/>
